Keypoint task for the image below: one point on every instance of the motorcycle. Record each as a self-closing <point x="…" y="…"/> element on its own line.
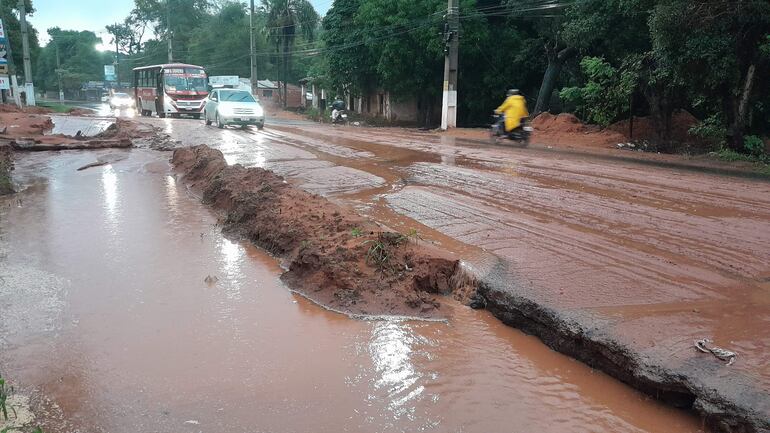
<point x="339" y="116"/>
<point x="520" y="134"/>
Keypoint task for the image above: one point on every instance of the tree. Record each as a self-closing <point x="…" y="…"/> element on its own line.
<point x="173" y="19"/>
<point x="286" y="19"/>
<point x="128" y="35"/>
<point x="78" y="59"/>
<point x="721" y="43"/>
<point x="9" y="15"/>
<point x="606" y="96"/>
<point x="349" y="65"/>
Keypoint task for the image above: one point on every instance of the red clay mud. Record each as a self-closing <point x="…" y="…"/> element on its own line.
<point x="335" y="257"/>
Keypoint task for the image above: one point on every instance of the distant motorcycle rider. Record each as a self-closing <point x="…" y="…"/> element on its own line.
<point x="513" y="109"/>
<point x="338" y="108"/>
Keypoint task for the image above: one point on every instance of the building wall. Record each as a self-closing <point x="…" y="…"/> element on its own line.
<point x="382" y="105"/>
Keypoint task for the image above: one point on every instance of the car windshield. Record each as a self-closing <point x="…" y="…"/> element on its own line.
<point x="176" y="83"/>
<point x="236" y="96"/>
<point x="121" y="95"/>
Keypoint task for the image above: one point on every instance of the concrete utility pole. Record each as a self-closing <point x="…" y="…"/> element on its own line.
<point x="170" y="34"/>
<point x="59" y="71"/>
<point x="254" y="79"/>
<point x="117" y="63"/>
<point x="30" y="88"/>
<point x="451" y="48"/>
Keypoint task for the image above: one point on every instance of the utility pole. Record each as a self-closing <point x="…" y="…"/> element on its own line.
<point x="170" y="34"/>
<point x="59" y="71"/>
<point x="254" y="78"/>
<point x="451" y="49"/>
<point x="30" y="88"/>
<point x="117" y="63"/>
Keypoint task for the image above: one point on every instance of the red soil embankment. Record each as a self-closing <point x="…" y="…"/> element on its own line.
<point x="566" y="129"/>
<point x="334" y="256"/>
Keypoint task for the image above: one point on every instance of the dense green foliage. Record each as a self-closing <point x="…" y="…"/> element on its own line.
<point x="79" y="60"/>
<point x="12" y="27"/>
<point x="604" y="60"/>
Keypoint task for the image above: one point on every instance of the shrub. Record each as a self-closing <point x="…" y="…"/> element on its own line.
<point x="711" y="129"/>
<point x="754" y="146"/>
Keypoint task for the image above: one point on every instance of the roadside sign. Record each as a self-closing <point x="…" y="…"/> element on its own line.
<point x="2" y="30"/>
<point x="224" y="80"/>
<point x="5" y="82"/>
<point x="109" y="73"/>
<point x="3" y="51"/>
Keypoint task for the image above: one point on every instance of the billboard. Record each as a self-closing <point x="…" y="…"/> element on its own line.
<point x="109" y="73"/>
<point x="3" y="50"/>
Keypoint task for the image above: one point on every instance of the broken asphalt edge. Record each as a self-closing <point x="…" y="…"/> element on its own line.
<point x="699" y="385"/>
<point x="729" y="404"/>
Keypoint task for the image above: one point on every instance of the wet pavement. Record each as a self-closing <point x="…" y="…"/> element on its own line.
<point x="656" y="256"/>
<point x="125" y="310"/>
<point x="85" y="126"/>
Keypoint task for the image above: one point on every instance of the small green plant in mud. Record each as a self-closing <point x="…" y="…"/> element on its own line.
<point x="16" y="429"/>
<point x="378" y="254"/>
<point x="413" y="235"/>
<point x="5" y="391"/>
<point x="356" y="232"/>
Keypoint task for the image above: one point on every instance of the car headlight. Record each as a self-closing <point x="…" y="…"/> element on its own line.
<point x="259" y="111"/>
<point x="226" y="111"/>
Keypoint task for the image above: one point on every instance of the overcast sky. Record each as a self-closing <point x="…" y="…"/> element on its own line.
<point x="95" y="14"/>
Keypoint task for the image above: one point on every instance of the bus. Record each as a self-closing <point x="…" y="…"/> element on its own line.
<point x="170" y="90"/>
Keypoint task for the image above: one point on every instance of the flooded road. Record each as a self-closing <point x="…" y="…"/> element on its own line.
<point x="125" y="310"/>
<point x="649" y="251"/>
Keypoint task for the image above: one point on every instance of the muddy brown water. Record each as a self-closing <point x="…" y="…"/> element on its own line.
<point x="108" y="321"/>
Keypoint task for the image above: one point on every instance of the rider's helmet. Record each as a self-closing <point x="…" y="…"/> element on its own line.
<point x="512" y="92"/>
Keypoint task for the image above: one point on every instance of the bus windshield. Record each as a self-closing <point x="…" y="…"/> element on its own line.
<point x="185" y="82"/>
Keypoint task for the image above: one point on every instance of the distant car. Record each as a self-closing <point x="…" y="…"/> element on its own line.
<point x="233" y="107"/>
<point x="121" y="100"/>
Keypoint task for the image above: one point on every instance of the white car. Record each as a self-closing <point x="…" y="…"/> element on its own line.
<point x="121" y="100"/>
<point x="233" y="107"/>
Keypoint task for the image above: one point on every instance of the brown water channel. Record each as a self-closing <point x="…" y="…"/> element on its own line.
<point x="107" y="320"/>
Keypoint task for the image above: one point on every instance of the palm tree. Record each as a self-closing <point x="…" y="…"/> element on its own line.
<point x="286" y="19"/>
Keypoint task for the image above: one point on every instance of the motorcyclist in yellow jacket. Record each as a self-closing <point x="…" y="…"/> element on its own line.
<point x="514" y="108"/>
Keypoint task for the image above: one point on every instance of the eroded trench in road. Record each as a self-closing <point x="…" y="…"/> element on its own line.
<point x="126" y="309"/>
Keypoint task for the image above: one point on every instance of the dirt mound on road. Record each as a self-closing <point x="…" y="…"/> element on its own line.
<point x="10" y="108"/>
<point x="644" y="129"/>
<point x="566" y="129"/>
<point x="334" y="256"/>
<point x="562" y="123"/>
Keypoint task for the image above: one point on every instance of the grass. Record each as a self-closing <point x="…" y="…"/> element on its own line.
<point x="5" y="390"/>
<point x="57" y="107"/>
<point x="378" y="254"/>
<point x="356" y="232"/>
<point x="729" y="155"/>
